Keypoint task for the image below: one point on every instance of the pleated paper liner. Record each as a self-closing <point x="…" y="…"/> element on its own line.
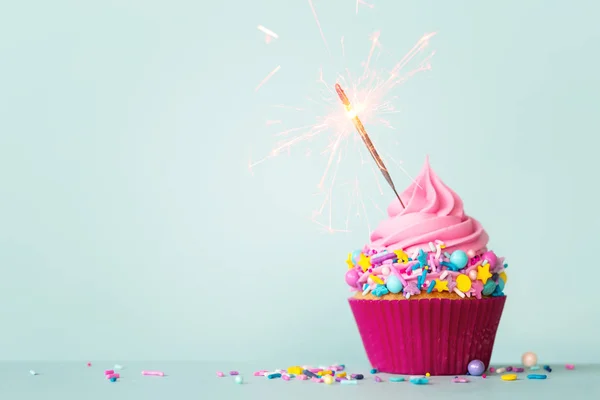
<point x="439" y="336"/>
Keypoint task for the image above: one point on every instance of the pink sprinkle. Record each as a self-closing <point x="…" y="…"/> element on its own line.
<point x="285" y="377"/>
<point x="518" y="369"/>
<point x="484" y="376"/>
<point x="460" y="380"/>
<point x="492" y="370"/>
<point x="302" y="377"/>
<point x="153" y="373"/>
<point x="260" y="373"/>
<point x="116" y="376"/>
<point x="89" y="364"/>
<point x="220" y="374"/>
<point x="377" y="379"/>
<point x="109" y="371"/>
<point x="315" y="370"/>
<point x="570" y="366"/>
<point x="316" y="380"/>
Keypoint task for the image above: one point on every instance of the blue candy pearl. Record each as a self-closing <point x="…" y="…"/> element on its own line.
<point x="393" y="284"/>
<point x="459" y="258"/>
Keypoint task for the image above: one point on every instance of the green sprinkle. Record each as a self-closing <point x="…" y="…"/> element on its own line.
<point x="396" y="379"/>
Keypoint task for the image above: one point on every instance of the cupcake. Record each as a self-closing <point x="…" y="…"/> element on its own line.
<point x="429" y="292"/>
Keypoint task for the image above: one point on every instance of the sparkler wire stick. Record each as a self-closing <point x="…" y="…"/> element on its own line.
<point x="366" y="139"/>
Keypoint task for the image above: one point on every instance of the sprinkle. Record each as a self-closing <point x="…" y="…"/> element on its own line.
<point x="427" y="374"/>
<point x="376" y="279"/>
<point x="419" y="381"/>
<point x="239" y="380"/>
<point x="444" y="275"/>
<point x="536" y="376"/>
<point x="380" y="290"/>
<point x="431" y="286"/>
<point x="570" y="366"/>
<point x="260" y="373"/>
<point x="378" y="379"/>
<point x="518" y="369"/>
<point x="534" y="368"/>
<point x="509" y="377"/>
<point x="501" y="370"/>
<point x="458" y="292"/>
<point x="366" y="291"/>
<point x="460" y="380"/>
<point x="309" y="373"/>
<point x="431" y="246"/>
<point x="349" y="382"/>
<point x="302" y="377"/>
<point x="447" y="254"/>
<point x="328" y="379"/>
<point x="32" y="372"/>
<point x="285" y="377"/>
<point x="509" y="369"/>
<point x="396" y="379"/>
<point x="492" y="370"/>
<point x="233" y="373"/>
<point x="117" y="366"/>
<point x="484" y="376"/>
<point x="153" y="373"/>
<point x="109" y="371"/>
<point x="322" y="373"/>
<point x="341" y="375"/>
<point x="113" y="379"/>
<point x="374" y="370"/>
<point x="274" y="376"/>
<point x="547" y="368"/>
<point x="220" y="374"/>
<point x="359" y="377"/>
<point x="109" y="376"/>
<point x="89" y="364"/>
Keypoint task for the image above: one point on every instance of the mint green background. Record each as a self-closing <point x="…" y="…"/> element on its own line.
<point x="130" y="227"/>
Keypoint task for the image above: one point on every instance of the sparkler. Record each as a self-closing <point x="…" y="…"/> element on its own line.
<point x="370" y="94"/>
<point x="366" y="139"/>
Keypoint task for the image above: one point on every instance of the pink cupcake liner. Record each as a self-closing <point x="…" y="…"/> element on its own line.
<point x="439" y="336"/>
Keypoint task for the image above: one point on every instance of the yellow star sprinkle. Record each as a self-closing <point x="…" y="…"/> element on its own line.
<point x="483" y="273"/>
<point x="402" y="256"/>
<point x="349" y="261"/>
<point x="441" y="285"/>
<point x="364" y="262"/>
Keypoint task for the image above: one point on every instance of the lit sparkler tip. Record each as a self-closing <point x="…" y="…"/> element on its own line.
<point x="342" y="95"/>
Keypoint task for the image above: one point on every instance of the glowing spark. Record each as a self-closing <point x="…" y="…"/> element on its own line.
<point x="268" y="32"/>
<point x="312" y="7"/>
<point x="267" y="78"/>
<point x="365" y="137"/>
<point x="368" y="94"/>
<point x="374" y="39"/>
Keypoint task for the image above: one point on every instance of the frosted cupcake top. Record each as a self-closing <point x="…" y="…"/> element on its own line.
<point x="431" y="245"/>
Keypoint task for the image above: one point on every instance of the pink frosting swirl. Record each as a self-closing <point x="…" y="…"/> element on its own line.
<point x="433" y="212"/>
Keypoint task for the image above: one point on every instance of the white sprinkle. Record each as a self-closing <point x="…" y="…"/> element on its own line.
<point x="414" y="255"/>
<point x="268" y="32"/>
<point x="431" y="246"/>
<point x="447" y="254"/>
<point x="444" y="275"/>
<point x="485" y="262"/>
<point x="32" y="372"/>
<point x="407" y="296"/>
<point x="501" y="370"/>
<point x="117" y="366"/>
<point x="458" y="292"/>
<point x="366" y="291"/>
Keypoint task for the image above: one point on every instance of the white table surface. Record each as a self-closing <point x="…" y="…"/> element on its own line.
<point x="188" y="380"/>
